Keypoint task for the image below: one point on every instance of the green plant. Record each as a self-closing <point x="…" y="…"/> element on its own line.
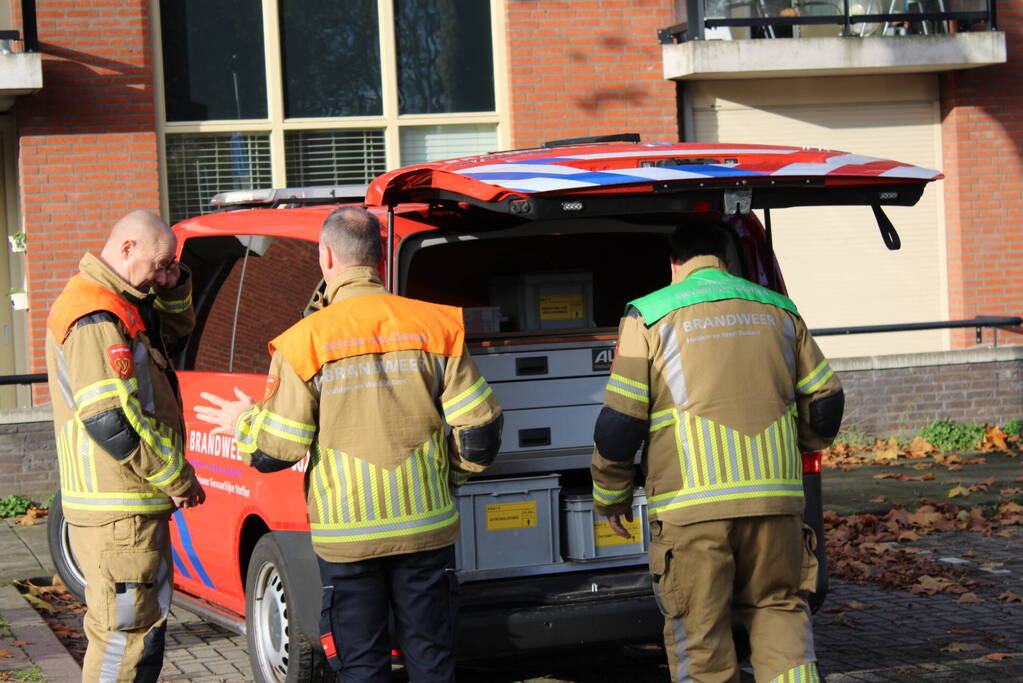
<point x="853" y="437"/>
<point x="951" y="436"/>
<point x="14" y="505"/>
<point x="35" y="675"/>
<point x="1013" y="428"/>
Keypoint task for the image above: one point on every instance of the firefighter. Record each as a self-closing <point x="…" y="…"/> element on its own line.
<point x="724" y="383"/>
<point x="118" y="423"/>
<point x="382" y="393"/>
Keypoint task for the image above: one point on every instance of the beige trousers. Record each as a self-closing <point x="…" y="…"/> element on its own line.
<point x="756" y="565"/>
<point x="128" y="574"/>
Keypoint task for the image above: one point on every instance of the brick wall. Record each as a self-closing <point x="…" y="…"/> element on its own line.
<point x="28" y="457"/>
<point x="588" y="67"/>
<point x="900" y="394"/>
<point x="982" y="135"/>
<point x="88" y="147"/>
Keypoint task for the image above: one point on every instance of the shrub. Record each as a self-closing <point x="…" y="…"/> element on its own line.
<point x="1013" y="428"/>
<point x="14" y="505"/>
<point x="950" y="436"/>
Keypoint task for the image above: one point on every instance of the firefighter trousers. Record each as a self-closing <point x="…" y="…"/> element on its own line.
<point x="755" y="565"/>
<point x="415" y="592"/>
<point x="128" y="575"/>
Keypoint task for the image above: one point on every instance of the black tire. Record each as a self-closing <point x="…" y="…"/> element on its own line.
<point x="278" y="649"/>
<point x="60" y="551"/>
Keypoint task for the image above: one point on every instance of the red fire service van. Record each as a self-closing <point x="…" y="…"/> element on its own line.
<point x="541" y="248"/>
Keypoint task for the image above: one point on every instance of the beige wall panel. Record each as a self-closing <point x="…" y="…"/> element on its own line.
<point x="836" y="267"/>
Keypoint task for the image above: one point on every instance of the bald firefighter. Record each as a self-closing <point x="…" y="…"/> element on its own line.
<point x="382" y="393"/>
<point x="723" y="382"/>
<point x="117" y="417"/>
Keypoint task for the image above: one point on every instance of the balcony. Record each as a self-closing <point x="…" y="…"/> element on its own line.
<point x="732" y="39"/>
<point x="21" y="65"/>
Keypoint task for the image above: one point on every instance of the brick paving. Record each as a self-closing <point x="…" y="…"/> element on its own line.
<point x="899" y="637"/>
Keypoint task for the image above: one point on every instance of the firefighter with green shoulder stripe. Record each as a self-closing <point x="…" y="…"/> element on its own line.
<point x="382" y="393"/>
<point x="718" y="380"/>
<point x="117" y="418"/>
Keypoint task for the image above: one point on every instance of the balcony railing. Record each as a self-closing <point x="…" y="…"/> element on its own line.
<point x="28" y="35"/>
<point x="709" y="19"/>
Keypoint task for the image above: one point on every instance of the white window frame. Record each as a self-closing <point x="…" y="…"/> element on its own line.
<point x="390" y="121"/>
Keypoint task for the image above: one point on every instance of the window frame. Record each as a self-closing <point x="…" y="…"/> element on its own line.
<point x="276" y="123"/>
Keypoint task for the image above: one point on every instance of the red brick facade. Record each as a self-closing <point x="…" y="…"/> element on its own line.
<point x="588" y="67"/>
<point x="982" y="134"/>
<point x="88" y="144"/>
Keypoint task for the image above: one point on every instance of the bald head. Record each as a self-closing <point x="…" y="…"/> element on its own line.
<point x="141" y="249"/>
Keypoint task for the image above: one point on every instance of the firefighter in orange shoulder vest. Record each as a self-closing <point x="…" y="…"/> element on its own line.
<point x="382" y="393"/>
<point x="117" y="417"/>
<point x="723" y="382"/>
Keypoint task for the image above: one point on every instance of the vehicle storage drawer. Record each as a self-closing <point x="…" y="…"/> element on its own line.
<point x="508" y="523"/>
<point x="548" y="428"/>
<point x="588" y="360"/>
<point x="542" y="393"/>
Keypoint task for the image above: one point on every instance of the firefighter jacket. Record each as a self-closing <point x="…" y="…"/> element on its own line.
<point x="369" y="386"/>
<point x="116" y="408"/>
<point x="723" y="382"/>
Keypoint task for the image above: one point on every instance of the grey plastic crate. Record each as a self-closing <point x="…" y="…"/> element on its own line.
<point x="588" y="535"/>
<point x="508" y="523"/>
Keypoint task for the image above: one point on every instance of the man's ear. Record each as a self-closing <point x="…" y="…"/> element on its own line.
<point x="127" y="246"/>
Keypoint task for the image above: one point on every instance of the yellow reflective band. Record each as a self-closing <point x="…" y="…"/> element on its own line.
<point x="290" y="430"/>
<point x="611" y="496"/>
<point x="804" y="673"/>
<point x="97" y="391"/>
<point x="630" y="382"/>
<point x="379" y="529"/>
<point x="816" y="379"/>
<point x="467" y="400"/>
<point x="716" y="493"/>
<point x="174" y="305"/>
<point x="662" y="419"/>
<point x="627" y="394"/>
<point x="317" y="466"/>
<point x="457" y="477"/>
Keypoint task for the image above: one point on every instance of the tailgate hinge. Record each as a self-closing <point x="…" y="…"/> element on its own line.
<point x="738" y="201"/>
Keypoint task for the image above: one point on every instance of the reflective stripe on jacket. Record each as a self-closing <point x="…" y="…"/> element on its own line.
<point x="721" y="372"/>
<point x="102" y="361"/>
<point x="377" y="389"/>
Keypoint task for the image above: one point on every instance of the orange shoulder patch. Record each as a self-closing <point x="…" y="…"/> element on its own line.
<point x="272" y="384"/>
<point x="120" y="358"/>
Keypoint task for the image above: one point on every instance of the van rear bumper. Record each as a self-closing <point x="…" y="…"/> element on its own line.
<point x="547" y="627"/>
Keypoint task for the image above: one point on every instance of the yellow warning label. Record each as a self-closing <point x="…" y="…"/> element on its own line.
<point x="603" y="535"/>
<point x="561" y="307"/>
<point x="511" y="515"/>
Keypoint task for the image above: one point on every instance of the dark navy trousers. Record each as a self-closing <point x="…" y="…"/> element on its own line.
<point x="414" y="593"/>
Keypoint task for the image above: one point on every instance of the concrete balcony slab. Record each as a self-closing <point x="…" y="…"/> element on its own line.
<point x="21" y="73"/>
<point x="831" y="56"/>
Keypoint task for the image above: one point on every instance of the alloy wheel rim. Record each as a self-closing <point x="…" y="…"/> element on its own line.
<point x="270" y="612"/>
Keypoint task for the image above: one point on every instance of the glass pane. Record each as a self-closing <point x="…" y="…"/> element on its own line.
<point x="420" y="144"/>
<point x="333" y="157"/>
<point x="331" y="58"/>
<point x="213" y="59"/>
<point x="199" y="165"/>
<point x="445" y="57"/>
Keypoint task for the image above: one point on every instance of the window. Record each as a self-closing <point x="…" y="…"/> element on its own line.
<point x="275" y="93"/>
<point x="250" y="289"/>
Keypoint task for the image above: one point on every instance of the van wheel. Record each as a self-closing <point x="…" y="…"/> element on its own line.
<point x="278" y="650"/>
<point x="61" y="553"/>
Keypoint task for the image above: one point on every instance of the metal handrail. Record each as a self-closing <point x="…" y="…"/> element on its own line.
<point x="1006" y="323"/>
<point x="697" y="22"/>
<point x="28" y="34"/>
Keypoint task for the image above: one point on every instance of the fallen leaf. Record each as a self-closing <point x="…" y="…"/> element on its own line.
<point x="886" y="475"/>
<point x="908" y="536"/>
<point x="856" y="604"/>
<point x="962" y="647"/>
<point x="5" y="654"/>
<point x="1009" y="596"/>
<point x="991" y="564"/>
<point x="959" y="632"/>
<point x="1009" y="492"/>
<point x="998" y="656"/>
<point x="39" y="603"/>
<point x="19" y="643"/>
<point x="879" y="499"/>
<point x="969" y="553"/>
<point x="923" y="466"/>
<point x="958" y="491"/>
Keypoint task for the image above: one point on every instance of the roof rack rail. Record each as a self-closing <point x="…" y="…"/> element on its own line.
<point x="617" y="137"/>
<point x="285" y="196"/>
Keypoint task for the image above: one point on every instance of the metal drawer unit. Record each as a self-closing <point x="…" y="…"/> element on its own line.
<point x="551" y="396"/>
